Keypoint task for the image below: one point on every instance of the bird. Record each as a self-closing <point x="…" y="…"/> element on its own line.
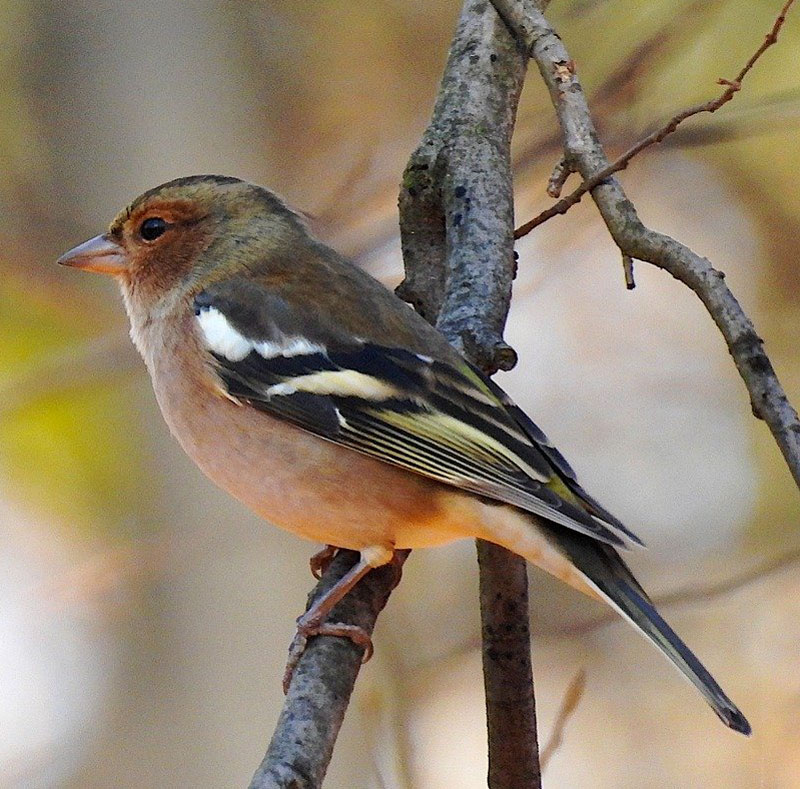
<point x="317" y="397"/>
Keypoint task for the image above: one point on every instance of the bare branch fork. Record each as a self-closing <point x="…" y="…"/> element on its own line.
<point x="585" y="155"/>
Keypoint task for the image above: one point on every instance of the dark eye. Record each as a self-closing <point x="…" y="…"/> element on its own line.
<point x="152" y="228"/>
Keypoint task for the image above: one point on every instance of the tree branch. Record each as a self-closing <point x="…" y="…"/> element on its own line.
<point x="572" y="697"/>
<point x="456" y="200"/>
<point x="302" y="745"/>
<point x="732" y="88"/>
<point x="584" y="152"/>
<point x="507" y="670"/>
<point x="456" y="227"/>
<point x="456" y="212"/>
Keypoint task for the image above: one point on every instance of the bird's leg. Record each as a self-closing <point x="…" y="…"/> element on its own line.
<point x="321" y="560"/>
<point x="311" y="622"/>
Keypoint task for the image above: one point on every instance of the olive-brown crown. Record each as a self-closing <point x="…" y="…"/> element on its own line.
<point x="197" y="227"/>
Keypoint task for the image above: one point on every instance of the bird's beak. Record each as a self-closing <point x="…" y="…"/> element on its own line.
<point x="99" y="254"/>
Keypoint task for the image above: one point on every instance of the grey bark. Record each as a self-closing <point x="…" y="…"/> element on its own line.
<point x="456" y="208"/>
<point x="456" y="227"/>
<point x="302" y="745"/>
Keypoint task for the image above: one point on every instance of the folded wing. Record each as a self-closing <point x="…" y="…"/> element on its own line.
<point x="426" y="415"/>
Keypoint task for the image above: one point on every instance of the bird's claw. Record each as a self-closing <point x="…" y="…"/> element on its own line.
<point x="321" y="560"/>
<point x="305" y="630"/>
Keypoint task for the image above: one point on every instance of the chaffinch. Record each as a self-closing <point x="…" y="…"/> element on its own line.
<point x="304" y="388"/>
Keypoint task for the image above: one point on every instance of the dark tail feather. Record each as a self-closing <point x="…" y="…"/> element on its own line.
<point x="610" y="576"/>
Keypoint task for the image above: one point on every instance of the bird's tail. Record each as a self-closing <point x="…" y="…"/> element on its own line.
<point x="608" y="575"/>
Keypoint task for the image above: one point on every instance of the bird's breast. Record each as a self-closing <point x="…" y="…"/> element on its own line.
<point x="303" y="483"/>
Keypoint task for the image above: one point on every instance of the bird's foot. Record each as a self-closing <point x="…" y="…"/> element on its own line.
<point x="308" y="627"/>
<point x="312" y="622"/>
<point x="321" y="560"/>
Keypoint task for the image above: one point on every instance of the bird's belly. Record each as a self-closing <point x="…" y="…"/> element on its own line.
<point x="302" y="483"/>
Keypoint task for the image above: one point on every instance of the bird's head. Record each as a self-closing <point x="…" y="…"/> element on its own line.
<point x="187" y="231"/>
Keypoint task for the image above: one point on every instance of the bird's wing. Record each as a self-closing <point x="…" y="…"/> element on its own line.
<point x="404" y="408"/>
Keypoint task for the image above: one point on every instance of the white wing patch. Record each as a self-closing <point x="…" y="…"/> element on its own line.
<point x="220" y="337"/>
<point x="223" y="339"/>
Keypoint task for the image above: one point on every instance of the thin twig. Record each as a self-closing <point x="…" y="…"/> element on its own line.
<point x="627" y="269"/>
<point x="699" y="593"/>
<point x="732" y="87"/>
<point x="558" y="177"/>
<point x="582" y="147"/>
<point x="339" y="204"/>
<point x="569" y="704"/>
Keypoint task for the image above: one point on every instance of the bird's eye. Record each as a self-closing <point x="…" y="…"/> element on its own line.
<point x="152" y="228"/>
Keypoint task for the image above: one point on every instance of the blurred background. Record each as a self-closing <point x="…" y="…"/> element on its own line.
<point x="144" y="615"/>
